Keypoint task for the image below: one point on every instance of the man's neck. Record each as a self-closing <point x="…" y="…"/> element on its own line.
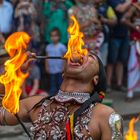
<point x="72" y="85"/>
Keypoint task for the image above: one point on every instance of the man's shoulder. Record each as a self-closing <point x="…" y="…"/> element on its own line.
<point x="102" y="111"/>
<point x="107" y="116"/>
<point x="30" y="102"/>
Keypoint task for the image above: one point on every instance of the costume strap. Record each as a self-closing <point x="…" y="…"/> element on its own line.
<point x="93" y="99"/>
<point x="73" y="118"/>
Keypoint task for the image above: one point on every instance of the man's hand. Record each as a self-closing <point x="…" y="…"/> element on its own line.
<point x="30" y="59"/>
<point x="122" y="7"/>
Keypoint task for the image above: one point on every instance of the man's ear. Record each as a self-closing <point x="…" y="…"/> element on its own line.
<point x="95" y="80"/>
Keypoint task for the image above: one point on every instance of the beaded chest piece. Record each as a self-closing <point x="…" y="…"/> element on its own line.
<point x="54" y="114"/>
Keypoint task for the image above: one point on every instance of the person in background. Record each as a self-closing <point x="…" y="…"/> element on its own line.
<point x="31" y="86"/>
<point x="55" y="12"/>
<point x="55" y="67"/>
<point x="119" y="46"/>
<point x="132" y="20"/>
<point x="26" y="20"/>
<point x="25" y="12"/>
<point x="108" y="19"/>
<point x="90" y="25"/>
<point x="6" y="17"/>
<point x="40" y="19"/>
<point x="35" y="35"/>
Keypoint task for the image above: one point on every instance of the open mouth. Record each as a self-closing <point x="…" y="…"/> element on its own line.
<point x="76" y="61"/>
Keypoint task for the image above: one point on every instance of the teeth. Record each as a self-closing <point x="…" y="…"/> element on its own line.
<point x="77" y="60"/>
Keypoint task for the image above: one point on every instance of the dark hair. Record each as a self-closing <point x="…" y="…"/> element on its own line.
<point x="100" y="87"/>
<point x="55" y="29"/>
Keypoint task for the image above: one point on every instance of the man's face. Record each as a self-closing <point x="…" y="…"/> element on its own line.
<point x="85" y="71"/>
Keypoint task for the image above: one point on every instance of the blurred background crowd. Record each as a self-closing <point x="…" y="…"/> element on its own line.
<point x="111" y="29"/>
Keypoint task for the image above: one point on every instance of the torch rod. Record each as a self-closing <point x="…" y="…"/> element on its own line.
<point x="23" y="126"/>
<point x="49" y="57"/>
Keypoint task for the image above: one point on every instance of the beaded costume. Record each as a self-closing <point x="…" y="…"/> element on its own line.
<point x="54" y="114"/>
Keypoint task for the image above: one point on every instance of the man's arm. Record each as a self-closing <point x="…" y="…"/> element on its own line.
<point x="122" y="7"/>
<point x="111" y="126"/>
<point x="127" y="19"/>
<point x="109" y="123"/>
<point x="26" y="105"/>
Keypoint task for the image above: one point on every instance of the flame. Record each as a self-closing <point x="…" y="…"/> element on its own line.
<point x="13" y="77"/>
<point x="76" y="42"/>
<point x="131" y="133"/>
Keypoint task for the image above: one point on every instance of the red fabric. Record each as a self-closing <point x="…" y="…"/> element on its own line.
<point x="101" y="97"/>
<point x="28" y="90"/>
<point x="135" y="35"/>
<point x="68" y="130"/>
<point x="134" y="1"/>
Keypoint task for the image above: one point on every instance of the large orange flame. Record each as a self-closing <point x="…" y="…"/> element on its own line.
<point x="13" y="77"/>
<point x="76" y="42"/>
<point x="131" y="133"/>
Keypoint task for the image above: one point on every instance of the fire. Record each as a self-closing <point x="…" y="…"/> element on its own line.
<point x="13" y="77"/>
<point x="76" y="42"/>
<point x="131" y="133"/>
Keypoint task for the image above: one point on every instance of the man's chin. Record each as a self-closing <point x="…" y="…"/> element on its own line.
<point x="72" y="72"/>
